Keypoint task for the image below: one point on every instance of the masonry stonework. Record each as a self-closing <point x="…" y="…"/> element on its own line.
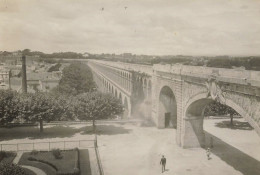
<point x="193" y="89"/>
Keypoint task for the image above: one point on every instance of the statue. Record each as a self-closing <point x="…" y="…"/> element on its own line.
<point x="214" y="90"/>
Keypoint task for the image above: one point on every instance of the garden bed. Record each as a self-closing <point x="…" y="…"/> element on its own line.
<point x="7" y="157"/>
<point x="67" y="163"/>
<point x="29" y="172"/>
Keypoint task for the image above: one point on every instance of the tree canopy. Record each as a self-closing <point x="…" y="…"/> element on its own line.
<point x="97" y="105"/>
<point x="9" y="106"/>
<point x="76" y="78"/>
<point x="46" y="107"/>
<point x="41" y="107"/>
<point x="217" y="108"/>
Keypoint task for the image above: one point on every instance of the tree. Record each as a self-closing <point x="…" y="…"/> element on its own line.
<point x="40" y="107"/>
<point x="9" y="106"/>
<point x="26" y="52"/>
<point x="96" y="106"/>
<point x="76" y="78"/>
<point x="217" y="108"/>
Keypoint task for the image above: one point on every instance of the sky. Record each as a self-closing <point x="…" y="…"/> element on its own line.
<point x="152" y="27"/>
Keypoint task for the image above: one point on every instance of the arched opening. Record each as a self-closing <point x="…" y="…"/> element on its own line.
<point x="144" y="87"/>
<point x="126" y="110"/>
<point x="167" y="109"/>
<point x="112" y="90"/>
<point x="120" y="96"/>
<point x="232" y="143"/>
<point x="149" y="89"/>
<point x="198" y="114"/>
<point x="115" y="93"/>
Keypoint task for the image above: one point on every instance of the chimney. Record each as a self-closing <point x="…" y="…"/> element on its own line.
<point x="24" y="79"/>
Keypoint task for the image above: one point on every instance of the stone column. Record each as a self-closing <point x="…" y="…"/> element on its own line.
<point x="160" y="116"/>
<point x="194" y="135"/>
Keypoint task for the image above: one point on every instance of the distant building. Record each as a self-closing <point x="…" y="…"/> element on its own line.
<point x="4" y="78"/>
<point x="42" y="81"/>
<point x="48" y="84"/>
<point x="4" y="75"/>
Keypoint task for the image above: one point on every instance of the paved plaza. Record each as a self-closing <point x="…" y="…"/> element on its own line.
<point x="127" y="148"/>
<point x="137" y="150"/>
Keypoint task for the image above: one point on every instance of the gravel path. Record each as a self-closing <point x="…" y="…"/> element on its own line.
<point x="18" y="157"/>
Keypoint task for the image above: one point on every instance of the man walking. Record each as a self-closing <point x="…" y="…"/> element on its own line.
<point x="163" y="163"/>
<point x="208" y="152"/>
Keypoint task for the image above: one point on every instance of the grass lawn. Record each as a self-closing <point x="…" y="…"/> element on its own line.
<point x="28" y="172"/>
<point x="64" y="165"/>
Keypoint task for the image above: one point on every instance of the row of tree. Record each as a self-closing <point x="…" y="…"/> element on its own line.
<point x="75" y="98"/>
<point x="46" y="107"/>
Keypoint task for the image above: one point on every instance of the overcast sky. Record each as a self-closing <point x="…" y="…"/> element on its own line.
<point x="160" y="27"/>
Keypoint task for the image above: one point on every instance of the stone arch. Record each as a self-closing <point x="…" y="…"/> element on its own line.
<point x="167" y="109"/>
<point x="149" y="86"/>
<point x="126" y="108"/>
<point x="144" y="82"/>
<point x="193" y="117"/>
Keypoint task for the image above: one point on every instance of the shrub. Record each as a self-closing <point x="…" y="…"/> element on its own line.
<point x="3" y="154"/>
<point x="11" y="169"/>
<point x="34" y="152"/>
<point x="32" y="159"/>
<point x="7" y="157"/>
<point x="57" y="153"/>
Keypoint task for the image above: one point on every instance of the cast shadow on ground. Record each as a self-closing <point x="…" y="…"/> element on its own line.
<point x="58" y="131"/>
<point x="106" y="130"/>
<point x="236" y="125"/>
<point x="234" y="157"/>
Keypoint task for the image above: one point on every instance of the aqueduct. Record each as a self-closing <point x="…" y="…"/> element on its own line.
<point x="176" y="95"/>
